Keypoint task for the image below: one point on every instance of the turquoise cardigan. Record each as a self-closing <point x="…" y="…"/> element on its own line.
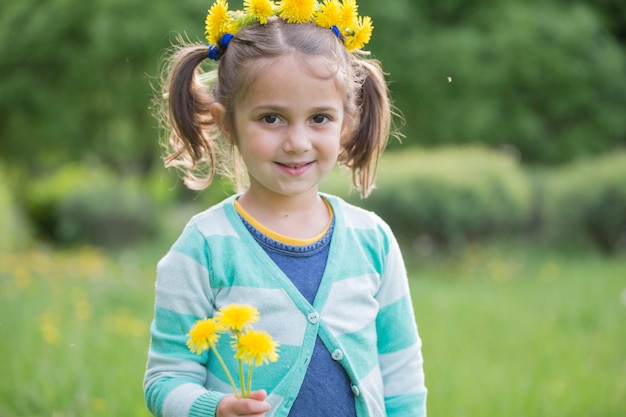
<point x="362" y="312"/>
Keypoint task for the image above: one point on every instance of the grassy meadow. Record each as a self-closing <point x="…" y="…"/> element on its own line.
<point x="523" y="333"/>
<point x="508" y="331"/>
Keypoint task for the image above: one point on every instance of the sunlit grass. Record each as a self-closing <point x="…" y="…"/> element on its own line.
<point x="74" y="331"/>
<point x="513" y="331"/>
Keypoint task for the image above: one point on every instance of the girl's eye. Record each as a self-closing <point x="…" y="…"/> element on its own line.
<point x="270" y="119"/>
<point x="320" y="119"/>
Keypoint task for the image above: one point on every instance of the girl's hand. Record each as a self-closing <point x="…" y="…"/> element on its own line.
<point x="255" y="406"/>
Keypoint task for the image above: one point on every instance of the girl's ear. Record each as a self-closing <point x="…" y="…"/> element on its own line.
<point x="218" y="114"/>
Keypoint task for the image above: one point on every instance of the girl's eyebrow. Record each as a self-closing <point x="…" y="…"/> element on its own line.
<point x="326" y="109"/>
<point x="280" y="108"/>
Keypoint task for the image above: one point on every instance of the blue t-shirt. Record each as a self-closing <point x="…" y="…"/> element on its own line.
<point x="326" y="389"/>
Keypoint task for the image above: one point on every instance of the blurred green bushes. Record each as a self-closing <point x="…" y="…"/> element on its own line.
<point x="14" y="230"/>
<point x="90" y="204"/>
<point x="587" y="201"/>
<point x="441" y="199"/>
<point x="451" y="195"/>
<point x="436" y="199"/>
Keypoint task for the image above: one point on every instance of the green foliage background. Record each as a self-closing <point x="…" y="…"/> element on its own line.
<point x="536" y="85"/>
<point x="546" y="77"/>
<point x="542" y="81"/>
<point x="536" y="333"/>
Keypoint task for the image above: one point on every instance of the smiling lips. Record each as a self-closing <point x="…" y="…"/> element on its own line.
<point x="294" y="168"/>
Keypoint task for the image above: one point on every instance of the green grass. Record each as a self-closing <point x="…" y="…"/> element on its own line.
<point x="506" y="332"/>
<point x="74" y="333"/>
<point x="523" y="333"/>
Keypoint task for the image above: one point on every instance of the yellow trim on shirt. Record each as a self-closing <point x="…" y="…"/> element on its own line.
<point x="282" y="238"/>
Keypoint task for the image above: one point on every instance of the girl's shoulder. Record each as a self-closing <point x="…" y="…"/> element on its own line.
<point x="355" y="224"/>
<point x="355" y="217"/>
<point x="215" y="219"/>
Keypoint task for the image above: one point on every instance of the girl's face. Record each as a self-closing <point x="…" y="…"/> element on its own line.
<point x="288" y="127"/>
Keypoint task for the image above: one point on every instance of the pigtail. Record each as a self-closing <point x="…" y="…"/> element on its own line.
<point x="361" y="152"/>
<point x="185" y="113"/>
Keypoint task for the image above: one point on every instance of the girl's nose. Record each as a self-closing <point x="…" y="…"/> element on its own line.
<point x="297" y="140"/>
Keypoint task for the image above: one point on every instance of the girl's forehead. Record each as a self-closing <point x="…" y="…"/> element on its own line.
<point x="317" y="66"/>
<point x="306" y="67"/>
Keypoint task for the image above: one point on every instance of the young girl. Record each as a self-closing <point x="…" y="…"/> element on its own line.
<point x="292" y="96"/>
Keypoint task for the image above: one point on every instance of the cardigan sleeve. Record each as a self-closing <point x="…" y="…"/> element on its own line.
<point x="399" y="343"/>
<point x="174" y="379"/>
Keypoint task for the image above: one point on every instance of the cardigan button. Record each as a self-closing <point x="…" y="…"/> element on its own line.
<point x="313" y="318"/>
<point x="355" y="390"/>
<point x="337" y="355"/>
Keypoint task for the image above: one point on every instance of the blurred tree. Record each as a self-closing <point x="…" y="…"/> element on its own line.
<point x="75" y="76"/>
<point x="613" y="14"/>
<point x="75" y="79"/>
<point x="545" y="79"/>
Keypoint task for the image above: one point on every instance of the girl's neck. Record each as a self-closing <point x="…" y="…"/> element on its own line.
<point x="299" y="217"/>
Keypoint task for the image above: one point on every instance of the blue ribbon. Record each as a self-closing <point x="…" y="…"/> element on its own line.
<point x="214" y="50"/>
<point x="225" y="40"/>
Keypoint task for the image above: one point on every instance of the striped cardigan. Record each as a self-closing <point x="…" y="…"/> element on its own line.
<point x="362" y="313"/>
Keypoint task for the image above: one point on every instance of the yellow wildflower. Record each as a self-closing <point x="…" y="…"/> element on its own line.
<point x="237" y="317"/>
<point x="349" y="16"/>
<point x="48" y="327"/>
<point x="99" y="405"/>
<point x="361" y="35"/>
<point x="328" y="14"/>
<point x="203" y="335"/>
<point x="260" y="9"/>
<point x="297" y="11"/>
<point x="218" y="22"/>
<point x="256" y="346"/>
<point x="250" y="346"/>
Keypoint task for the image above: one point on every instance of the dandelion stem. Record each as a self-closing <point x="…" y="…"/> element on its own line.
<point x="250" y="377"/>
<point x="230" y="378"/>
<point x="242" y="381"/>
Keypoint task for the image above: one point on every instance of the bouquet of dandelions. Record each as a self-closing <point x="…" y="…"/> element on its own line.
<point x="252" y="347"/>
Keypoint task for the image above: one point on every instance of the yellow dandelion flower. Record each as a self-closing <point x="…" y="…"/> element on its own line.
<point x="362" y="34"/>
<point x="204" y="334"/>
<point x="237" y="317"/>
<point x="329" y="14"/>
<point x="99" y="405"/>
<point x="256" y="346"/>
<point x="348" y="20"/>
<point x="297" y="11"/>
<point x="218" y="22"/>
<point x="259" y="9"/>
<point x="50" y="333"/>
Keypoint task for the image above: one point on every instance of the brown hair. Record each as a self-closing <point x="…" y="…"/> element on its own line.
<point x="194" y="144"/>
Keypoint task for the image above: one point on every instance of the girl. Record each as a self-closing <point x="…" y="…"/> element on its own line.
<point x="290" y="100"/>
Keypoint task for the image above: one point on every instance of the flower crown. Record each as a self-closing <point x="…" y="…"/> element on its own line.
<point x="339" y="15"/>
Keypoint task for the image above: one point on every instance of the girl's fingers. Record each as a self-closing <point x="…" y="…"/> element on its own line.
<point x="255" y="406"/>
<point x="260" y="395"/>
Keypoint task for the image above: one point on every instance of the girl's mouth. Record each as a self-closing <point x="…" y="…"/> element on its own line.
<point x="294" y="168"/>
